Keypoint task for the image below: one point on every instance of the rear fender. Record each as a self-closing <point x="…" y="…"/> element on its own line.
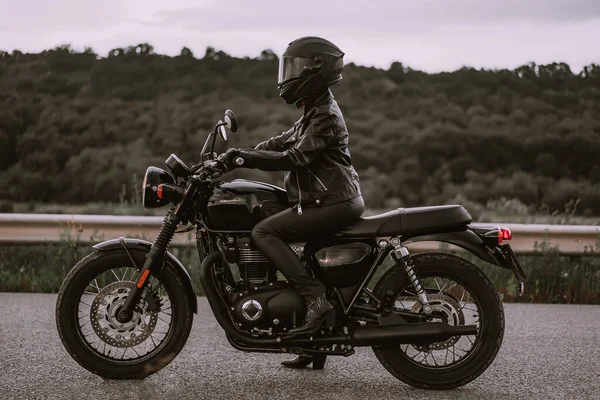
<point x="467" y="240"/>
<point x="171" y="260"/>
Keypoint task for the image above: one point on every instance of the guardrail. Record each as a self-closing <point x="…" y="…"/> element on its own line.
<point x="42" y="228"/>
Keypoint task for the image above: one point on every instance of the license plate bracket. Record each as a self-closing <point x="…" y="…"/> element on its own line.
<point x="513" y="263"/>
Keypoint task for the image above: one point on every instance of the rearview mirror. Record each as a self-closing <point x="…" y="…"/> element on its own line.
<point x="223" y="132"/>
<point x="230" y="121"/>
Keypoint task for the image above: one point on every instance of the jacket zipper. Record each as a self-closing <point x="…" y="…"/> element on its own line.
<point x="323" y="187"/>
<point x="299" y="194"/>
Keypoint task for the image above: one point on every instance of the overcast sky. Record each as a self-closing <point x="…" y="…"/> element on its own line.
<point x="431" y="35"/>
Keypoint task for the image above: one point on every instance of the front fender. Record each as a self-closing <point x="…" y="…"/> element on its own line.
<point x="170" y="259"/>
<point x="467" y="240"/>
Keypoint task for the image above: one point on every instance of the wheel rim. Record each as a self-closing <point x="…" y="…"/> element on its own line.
<point x="140" y="338"/>
<point x="452" y="302"/>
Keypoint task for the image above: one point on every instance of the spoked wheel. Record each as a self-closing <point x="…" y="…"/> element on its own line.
<point x="459" y="293"/>
<point x="89" y="301"/>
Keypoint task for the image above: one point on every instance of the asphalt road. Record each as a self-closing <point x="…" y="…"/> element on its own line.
<point x="549" y="352"/>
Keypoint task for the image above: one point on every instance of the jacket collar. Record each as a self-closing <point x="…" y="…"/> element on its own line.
<point x="316" y="100"/>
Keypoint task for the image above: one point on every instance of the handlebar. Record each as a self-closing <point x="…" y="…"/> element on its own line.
<point x="215" y="168"/>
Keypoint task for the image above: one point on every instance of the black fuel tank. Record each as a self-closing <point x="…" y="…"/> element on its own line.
<point x="241" y="204"/>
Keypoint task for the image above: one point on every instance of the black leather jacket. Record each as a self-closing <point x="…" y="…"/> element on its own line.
<point x="314" y="153"/>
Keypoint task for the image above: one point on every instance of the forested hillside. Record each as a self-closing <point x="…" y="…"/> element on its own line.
<point x="75" y="127"/>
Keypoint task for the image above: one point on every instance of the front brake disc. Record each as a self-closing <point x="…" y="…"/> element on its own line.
<point x="103" y="316"/>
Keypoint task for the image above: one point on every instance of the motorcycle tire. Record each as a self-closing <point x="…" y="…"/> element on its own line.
<point x="398" y="363"/>
<point x="70" y="292"/>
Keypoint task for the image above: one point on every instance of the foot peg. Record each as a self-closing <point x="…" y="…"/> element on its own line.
<point x="303" y="361"/>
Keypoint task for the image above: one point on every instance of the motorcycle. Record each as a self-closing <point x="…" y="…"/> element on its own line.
<point x="434" y="320"/>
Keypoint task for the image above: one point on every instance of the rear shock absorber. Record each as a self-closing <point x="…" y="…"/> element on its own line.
<point x="402" y="257"/>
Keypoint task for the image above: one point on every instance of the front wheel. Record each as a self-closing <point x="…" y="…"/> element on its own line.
<point x="459" y="293"/>
<point x="89" y="300"/>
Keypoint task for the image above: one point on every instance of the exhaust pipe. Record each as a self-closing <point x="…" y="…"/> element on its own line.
<point x="426" y="332"/>
<point x="422" y="332"/>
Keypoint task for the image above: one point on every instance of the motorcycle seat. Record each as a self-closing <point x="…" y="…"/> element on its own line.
<point x="410" y="222"/>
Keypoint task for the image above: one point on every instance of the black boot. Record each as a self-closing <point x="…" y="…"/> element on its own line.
<point x="316" y="310"/>
<point x="303" y="361"/>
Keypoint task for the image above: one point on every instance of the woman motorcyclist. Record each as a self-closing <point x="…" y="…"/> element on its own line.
<point x="320" y="180"/>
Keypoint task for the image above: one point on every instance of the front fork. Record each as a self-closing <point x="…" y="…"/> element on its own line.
<point x="401" y="257"/>
<point x="153" y="265"/>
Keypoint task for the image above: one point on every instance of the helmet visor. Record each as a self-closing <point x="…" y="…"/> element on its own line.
<point x="292" y="67"/>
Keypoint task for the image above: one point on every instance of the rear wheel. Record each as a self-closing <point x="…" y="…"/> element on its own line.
<point x="459" y="294"/>
<point x="89" y="300"/>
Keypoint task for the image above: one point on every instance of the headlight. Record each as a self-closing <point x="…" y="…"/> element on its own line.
<point x="154" y="177"/>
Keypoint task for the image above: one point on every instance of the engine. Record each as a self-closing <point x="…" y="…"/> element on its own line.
<point x="262" y="301"/>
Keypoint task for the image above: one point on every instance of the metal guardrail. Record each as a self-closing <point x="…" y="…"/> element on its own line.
<point x="42" y="228"/>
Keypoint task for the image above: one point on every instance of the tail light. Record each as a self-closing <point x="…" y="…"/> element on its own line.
<point x="496" y="235"/>
<point x="504" y="234"/>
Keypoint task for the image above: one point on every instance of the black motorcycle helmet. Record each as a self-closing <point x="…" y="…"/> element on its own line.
<point x="309" y="65"/>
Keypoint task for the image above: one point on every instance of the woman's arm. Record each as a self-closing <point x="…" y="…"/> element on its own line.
<point x="276" y="142"/>
<point x="315" y="139"/>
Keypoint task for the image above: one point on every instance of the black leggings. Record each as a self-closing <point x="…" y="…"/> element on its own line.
<point x="272" y="234"/>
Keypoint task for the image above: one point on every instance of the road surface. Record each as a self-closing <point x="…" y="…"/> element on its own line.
<point x="549" y="352"/>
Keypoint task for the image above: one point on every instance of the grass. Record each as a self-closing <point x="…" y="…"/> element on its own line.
<point x="552" y="278"/>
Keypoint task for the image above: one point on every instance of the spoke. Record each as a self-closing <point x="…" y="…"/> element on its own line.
<point x="463" y="295"/>
<point x="437" y="284"/>
<point x="446" y="357"/>
<point x="83" y="316"/>
<point x="115" y="274"/>
<point x="88" y="321"/>
<point x="472" y="342"/>
<point x="168" y="323"/>
<point x="415" y="356"/>
<point x="83" y="302"/>
<point x="125" y="274"/>
<point x="91" y="333"/>
<point x="470" y="309"/>
<point x="123" y="356"/>
<point x="104" y="349"/>
<point x="92" y="293"/>
<point x="447" y="290"/>
<point x="444" y="287"/>
<point x="153" y="342"/>
<point x="434" y="361"/>
<point x="453" y="354"/>
<point x="97" y="286"/>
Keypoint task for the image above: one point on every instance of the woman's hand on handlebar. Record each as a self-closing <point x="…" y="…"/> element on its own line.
<point x="229" y="159"/>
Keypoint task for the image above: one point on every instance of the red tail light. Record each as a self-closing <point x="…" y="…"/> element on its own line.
<point x="506" y="234"/>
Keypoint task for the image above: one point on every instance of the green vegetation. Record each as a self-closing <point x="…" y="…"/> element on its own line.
<point x="552" y="278"/>
<point x="76" y="128"/>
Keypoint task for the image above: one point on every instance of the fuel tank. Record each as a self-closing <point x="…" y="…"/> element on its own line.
<point x="240" y="204"/>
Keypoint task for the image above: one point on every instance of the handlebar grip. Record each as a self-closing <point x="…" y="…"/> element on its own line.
<point x="239" y="161"/>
